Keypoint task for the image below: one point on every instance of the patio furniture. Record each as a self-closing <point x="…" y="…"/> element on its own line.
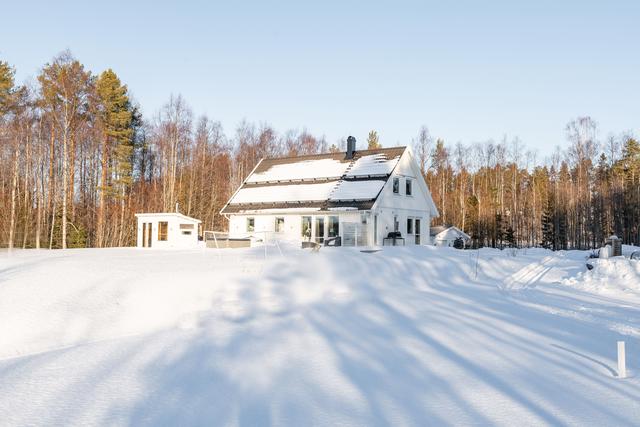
<point x="393" y="237"/>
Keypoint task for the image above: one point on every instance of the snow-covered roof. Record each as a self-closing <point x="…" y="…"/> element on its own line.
<point x="166" y="214"/>
<point x="304" y="170"/>
<point x="324" y="181"/>
<point x="373" y="165"/>
<point x="285" y="193"/>
<point x="357" y="190"/>
<point x="450" y="233"/>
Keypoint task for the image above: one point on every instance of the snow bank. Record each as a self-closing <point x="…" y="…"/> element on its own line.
<point x="616" y="276"/>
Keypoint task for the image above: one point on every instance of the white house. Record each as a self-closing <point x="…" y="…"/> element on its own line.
<point x="446" y="236"/>
<point x="167" y="230"/>
<point x="358" y="196"/>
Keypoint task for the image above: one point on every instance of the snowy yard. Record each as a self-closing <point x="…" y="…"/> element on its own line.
<point x="406" y="336"/>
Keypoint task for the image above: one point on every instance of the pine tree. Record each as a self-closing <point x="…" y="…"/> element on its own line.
<point x="373" y="141"/>
<point x="6" y="88"/>
<point x="115" y="114"/>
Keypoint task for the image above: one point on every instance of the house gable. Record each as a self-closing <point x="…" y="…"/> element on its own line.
<point x="420" y="200"/>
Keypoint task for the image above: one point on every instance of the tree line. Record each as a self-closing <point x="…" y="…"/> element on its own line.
<point x="78" y="159"/>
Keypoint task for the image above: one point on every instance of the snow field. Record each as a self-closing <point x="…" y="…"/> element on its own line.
<point x="406" y="336"/>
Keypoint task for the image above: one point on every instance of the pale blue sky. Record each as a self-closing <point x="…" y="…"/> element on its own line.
<point x="470" y="70"/>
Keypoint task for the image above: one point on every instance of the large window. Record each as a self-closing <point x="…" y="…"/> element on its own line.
<point x="251" y="224"/>
<point x="408" y="187"/>
<point x="163" y="231"/>
<point x="306" y="227"/>
<point x="409" y="225"/>
<point x="279" y="226"/>
<point x="396" y="185"/>
<point x="333" y="226"/>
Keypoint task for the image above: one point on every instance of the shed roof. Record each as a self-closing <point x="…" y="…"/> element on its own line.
<point x="316" y="182"/>
<point x="165" y="214"/>
<point x="448" y="233"/>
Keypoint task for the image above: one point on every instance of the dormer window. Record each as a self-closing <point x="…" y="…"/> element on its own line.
<point x="396" y="185"/>
<point x="408" y="187"/>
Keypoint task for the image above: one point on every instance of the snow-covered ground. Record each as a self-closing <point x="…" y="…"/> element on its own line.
<point x="405" y="336"/>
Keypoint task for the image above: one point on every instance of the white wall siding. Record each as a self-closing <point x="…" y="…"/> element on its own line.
<point x="175" y="236"/>
<point x="403" y="206"/>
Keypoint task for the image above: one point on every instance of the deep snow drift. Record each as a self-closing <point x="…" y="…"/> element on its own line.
<point x="405" y="336"/>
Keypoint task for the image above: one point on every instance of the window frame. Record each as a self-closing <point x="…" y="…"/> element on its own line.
<point x="163" y="231"/>
<point x="410" y="226"/>
<point x="302" y="224"/>
<point x="319" y="223"/>
<point x="275" y="224"/>
<point x="330" y="223"/>
<point x="394" y="187"/>
<point x="250" y="228"/>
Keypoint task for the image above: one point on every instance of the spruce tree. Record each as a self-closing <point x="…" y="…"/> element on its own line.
<point x="510" y="237"/>
<point x="548" y="228"/>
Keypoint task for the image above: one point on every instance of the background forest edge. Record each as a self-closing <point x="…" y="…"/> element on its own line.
<point x="77" y="160"/>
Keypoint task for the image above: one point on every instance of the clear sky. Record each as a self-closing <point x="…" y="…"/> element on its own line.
<point x="469" y="70"/>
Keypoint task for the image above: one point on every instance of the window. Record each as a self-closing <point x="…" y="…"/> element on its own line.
<point x="186" y="229"/>
<point x="163" y="231"/>
<point x="306" y="227"/>
<point x="409" y="225"/>
<point x="251" y="224"/>
<point x="408" y="188"/>
<point x="396" y="185"/>
<point x="396" y="224"/>
<point x="279" y="227"/>
<point x="333" y="226"/>
<point x="319" y="229"/>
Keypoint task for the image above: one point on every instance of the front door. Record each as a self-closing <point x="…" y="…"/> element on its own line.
<point x="417" y="230"/>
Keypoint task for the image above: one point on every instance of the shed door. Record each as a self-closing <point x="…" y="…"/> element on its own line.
<point x="149" y="234"/>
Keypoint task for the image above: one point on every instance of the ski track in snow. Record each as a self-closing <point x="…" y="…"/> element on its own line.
<point x="406" y="336"/>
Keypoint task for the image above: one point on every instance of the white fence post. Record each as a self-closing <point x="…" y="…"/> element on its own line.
<point x="622" y="364"/>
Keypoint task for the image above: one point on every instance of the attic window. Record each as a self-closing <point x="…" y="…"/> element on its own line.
<point x="408" y="187"/>
<point x="396" y="185"/>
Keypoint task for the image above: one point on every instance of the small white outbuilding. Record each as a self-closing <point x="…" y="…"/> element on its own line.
<point x="446" y="236"/>
<point x="167" y="230"/>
